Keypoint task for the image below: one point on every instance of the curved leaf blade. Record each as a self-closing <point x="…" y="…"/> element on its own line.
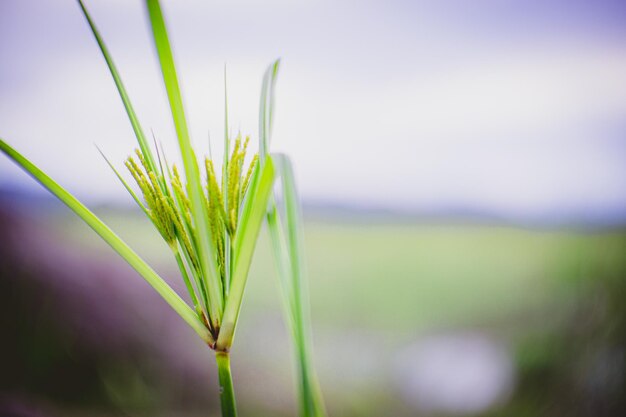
<point x="130" y="111"/>
<point x="130" y="256"/>
<point x="244" y="244"/>
<point x="266" y="115"/>
<point x="288" y="249"/>
<point x="192" y="172"/>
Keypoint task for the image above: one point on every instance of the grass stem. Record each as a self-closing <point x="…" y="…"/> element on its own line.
<point x="227" y="393"/>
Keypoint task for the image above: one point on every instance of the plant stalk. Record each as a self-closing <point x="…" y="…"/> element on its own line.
<point x="227" y="393"/>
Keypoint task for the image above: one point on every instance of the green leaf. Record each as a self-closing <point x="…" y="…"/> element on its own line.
<point x="227" y="245"/>
<point x="141" y="138"/>
<point x="288" y="253"/>
<point x="168" y="294"/>
<point x="244" y="243"/>
<point x="287" y="245"/>
<point x="266" y="116"/>
<point x="192" y="172"/>
<point x="128" y="188"/>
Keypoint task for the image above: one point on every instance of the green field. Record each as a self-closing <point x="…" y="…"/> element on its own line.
<point x="408" y="276"/>
<point x="378" y="287"/>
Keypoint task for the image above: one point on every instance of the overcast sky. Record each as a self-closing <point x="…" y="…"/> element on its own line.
<point x="509" y="107"/>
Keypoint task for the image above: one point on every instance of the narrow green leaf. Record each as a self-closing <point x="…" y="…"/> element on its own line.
<point x="190" y="289"/>
<point x="168" y="294"/>
<point x="266" y="108"/>
<point x="226" y="141"/>
<point x="128" y="188"/>
<point x="288" y="251"/>
<point x="192" y="172"/>
<point x="134" y="121"/>
<point x="164" y="187"/>
<point x="227" y="245"/>
<point x="246" y="205"/>
<point x="244" y="243"/>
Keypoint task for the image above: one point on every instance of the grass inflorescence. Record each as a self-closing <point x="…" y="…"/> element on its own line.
<point x="167" y="204"/>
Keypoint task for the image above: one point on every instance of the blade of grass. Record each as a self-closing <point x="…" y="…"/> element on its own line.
<point x="134" y="121"/>
<point x="123" y="181"/>
<point x="226" y="141"/>
<point x="192" y="172"/>
<point x="288" y="251"/>
<point x="288" y="255"/>
<point x="251" y="208"/>
<point x="190" y="289"/>
<point x="266" y="108"/>
<point x="161" y="178"/>
<point x="164" y="290"/>
<point x="227" y="245"/>
<point x="244" y="243"/>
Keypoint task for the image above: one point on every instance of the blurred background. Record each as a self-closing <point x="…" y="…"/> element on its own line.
<point x="462" y="167"/>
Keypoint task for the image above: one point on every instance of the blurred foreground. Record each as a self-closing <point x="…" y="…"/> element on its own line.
<point x="410" y="319"/>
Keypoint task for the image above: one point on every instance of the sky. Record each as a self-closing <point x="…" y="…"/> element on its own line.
<point x="513" y="108"/>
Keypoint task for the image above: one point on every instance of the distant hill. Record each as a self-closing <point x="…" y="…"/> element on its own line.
<point x="320" y="210"/>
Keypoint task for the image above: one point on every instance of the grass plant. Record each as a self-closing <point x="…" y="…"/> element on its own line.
<point x="211" y="223"/>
